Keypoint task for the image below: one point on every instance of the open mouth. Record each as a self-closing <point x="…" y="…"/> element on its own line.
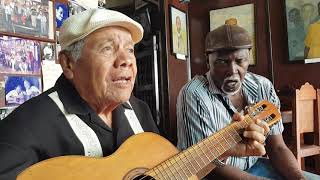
<point x="122" y="79"/>
<point x="231" y="83"/>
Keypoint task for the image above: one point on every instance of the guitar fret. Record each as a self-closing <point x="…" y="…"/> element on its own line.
<point x="187" y="162"/>
<point x="200" y="145"/>
<point x="171" y="160"/>
<point x="188" y="150"/>
<point x="184" y="153"/>
<point x="210" y="152"/>
<point x="232" y="136"/>
<point x="196" y="147"/>
<point x="161" y="172"/>
<point x="169" y="169"/>
<point x="182" y="166"/>
<point x="214" y="145"/>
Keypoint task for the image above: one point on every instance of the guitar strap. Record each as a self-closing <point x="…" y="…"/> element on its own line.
<point x="133" y="120"/>
<point x="226" y="105"/>
<point x="85" y="134"/>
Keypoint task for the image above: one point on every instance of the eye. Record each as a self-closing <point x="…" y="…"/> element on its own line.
<point x="131" y="50"/>
<point x="221" y="61"/>
<point x="107" y="49"/>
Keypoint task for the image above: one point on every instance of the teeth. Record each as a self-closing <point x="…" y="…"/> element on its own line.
<point x="121" y="81"/>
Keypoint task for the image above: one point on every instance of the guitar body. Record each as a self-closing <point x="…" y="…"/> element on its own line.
<point x="145" y="151"/>
<point x="136" y="155"/>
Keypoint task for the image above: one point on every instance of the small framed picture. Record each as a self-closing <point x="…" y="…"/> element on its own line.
<point x="48" y="51"/>
<point x="19" y="56"/>
<point x="19" y="89"/>
<point x="62" y="13"/>
<point x="31" y="19"/>
<point x="179" y="36"/>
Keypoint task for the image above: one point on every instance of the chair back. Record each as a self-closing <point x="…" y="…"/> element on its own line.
<point x="305" y="109"/>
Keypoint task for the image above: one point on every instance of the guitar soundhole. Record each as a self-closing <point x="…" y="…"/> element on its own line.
<point x="143" y="177"/>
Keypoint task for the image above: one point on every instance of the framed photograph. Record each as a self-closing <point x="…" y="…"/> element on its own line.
<point x="62" y="13"/>
<point x="19" y="89"/>
<point x="244" y="15"/>
<point x="19" y="56"/>
<point x="303" y="27"/>
<point x="27" y="18"/>
<point x="179" y="36"/>
<point x="48" y="51"/>
<point x="74" y="8"/>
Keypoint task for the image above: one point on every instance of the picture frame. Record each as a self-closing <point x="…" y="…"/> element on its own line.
<point x="19" y="56"/>
<point x="62" y="13"/>
<point x="31" y="19"/>
<point x="19" y="89"/>
<point x="179" y="32"/>
<point x="244" y="16"/>
<point x="303" y="26"/>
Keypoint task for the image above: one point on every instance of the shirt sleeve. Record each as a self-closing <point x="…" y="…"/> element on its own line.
<point x="14" y="160"/>
<point x="17" y="149"/>
<point x="190" y="120"/>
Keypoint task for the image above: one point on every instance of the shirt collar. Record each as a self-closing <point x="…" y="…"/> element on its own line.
<point x="70" y="97"/>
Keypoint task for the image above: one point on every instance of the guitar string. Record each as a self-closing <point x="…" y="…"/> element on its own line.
<point x="210" y="146"/>
<point x="213" y="146"/>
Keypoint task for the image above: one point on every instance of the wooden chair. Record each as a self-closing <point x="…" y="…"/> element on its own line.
<point x="306" y="108"/>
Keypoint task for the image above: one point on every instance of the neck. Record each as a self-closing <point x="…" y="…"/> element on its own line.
<point x="106" y="118"/>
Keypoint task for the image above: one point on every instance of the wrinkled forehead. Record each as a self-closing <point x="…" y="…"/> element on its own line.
<point x="236" y="53"/>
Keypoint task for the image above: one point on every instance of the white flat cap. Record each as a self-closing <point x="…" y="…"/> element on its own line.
<point x="80" y="25"/>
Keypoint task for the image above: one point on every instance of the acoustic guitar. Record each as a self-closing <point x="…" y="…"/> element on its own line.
<point x="148" y="156"/>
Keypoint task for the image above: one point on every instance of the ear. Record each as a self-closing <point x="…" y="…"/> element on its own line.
<point x="67" y="65"/>
<point x="207" y="61"/>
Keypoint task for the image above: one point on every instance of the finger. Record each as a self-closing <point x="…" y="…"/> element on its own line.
<point x="257" y="148"/>
<point x="255" y="127"/>
<point x="254" y="135"/>
<point x="264" y="125"/>
<point x="237" y="117"/>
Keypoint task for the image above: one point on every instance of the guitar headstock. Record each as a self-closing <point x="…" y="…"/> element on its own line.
<point x="266" y="111"/>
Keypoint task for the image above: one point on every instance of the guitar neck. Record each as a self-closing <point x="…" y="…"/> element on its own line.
<point x="198" y="156"/>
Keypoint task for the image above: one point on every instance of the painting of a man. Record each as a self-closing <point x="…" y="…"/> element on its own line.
<point x="179" y="31"/>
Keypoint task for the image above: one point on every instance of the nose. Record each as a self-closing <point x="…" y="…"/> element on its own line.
<point x="232" y="68"/>
<point x="123" y="58"/>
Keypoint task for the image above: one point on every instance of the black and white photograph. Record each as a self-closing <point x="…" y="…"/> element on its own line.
<point x="47" y="51"/>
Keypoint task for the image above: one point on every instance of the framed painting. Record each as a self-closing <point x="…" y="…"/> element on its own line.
<point x="27" y="18"/>
<point x="19" y="89"/>
<point x="179" y="36"/>
<point x="244" y="16"/>
<point x="19" y="56"/>
<point x="303" y="27"/>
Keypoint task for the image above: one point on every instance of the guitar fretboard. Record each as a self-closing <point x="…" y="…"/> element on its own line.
<point x="192" y="160"/>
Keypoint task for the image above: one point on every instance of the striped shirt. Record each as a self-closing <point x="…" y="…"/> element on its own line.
<point x="200" y="113"/>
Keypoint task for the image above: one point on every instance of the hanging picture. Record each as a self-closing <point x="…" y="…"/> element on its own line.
<point x="19" y="56"/>
<point x="48" y="51"/>
<point x="243" y="15"/>
<point x="179" y="36"/>
<point x="27" y="18"/>
<point x="303" y="27"/>
<point x="62" y="13"/>
<point x="19" y="89"/>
